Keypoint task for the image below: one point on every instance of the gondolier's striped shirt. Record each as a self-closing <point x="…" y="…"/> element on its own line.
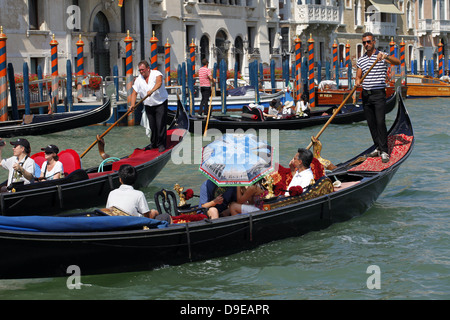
<point x="376" y="79"/>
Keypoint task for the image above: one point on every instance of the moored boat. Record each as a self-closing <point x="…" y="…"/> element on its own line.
<point x="350" y="113"/>
<point x="38" y="124"/>
<point x="89" y="187"/>
<point x="420" y="86"/>
<point x="28" y="251"/>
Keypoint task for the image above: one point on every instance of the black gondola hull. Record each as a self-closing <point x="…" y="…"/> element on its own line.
<point x="58" y="122"/>
<point x="41" y="254"/>
<point x="223" y="123"/>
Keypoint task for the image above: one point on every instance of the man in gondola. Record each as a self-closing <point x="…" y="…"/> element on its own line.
<point x="20" y="166"/>
<point x="374" y="93"/>
<point x="300" y="166"/>
<point x="131" y="201"/>
<point x="150" y="82"/>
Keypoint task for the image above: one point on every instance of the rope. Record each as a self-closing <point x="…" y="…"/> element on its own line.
<point x="112" y="159"/>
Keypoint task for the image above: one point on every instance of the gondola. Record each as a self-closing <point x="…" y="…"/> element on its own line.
<point x="28" y="251"/>
<point x="38" y="124"/>
<point x="253" y="119"/>
<point x="89" y="187"/>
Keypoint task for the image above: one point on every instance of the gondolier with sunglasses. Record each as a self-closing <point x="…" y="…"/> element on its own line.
<point x="374" y="93"/>
<point x="20" y="165"/>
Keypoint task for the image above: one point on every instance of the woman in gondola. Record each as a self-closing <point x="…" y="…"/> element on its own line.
<point x="52" y="168"/>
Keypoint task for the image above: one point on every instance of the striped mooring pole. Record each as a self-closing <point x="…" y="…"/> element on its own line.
<point x="402" y="58"/>
<point x="392" y="53"/>
<point x="298" y="64"/>
<point x="336" y="62"/>
<point x="80" y="67"/>
<point x="312" y="94"/>
<point x="167" y="61"/>
<point x="441" y="58"/>
<point x="153" y="52"/>
<point x="54" y="62"/>
<point x="347" y="54"/>
<point x="129" y="74"/>
<point x="3" y="79"/>
<point x="192" y="48"/>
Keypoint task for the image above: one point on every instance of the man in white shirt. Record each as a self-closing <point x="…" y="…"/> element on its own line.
<point x="20" y="165"/>
<point x="129" y="200"/>
<point x="150" y="82"/>
<point x="300" y="169"/>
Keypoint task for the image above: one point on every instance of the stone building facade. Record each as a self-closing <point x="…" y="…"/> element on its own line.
<point x="238" y="31"/>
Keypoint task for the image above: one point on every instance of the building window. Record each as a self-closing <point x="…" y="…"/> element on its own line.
<point x="33" y="14"/>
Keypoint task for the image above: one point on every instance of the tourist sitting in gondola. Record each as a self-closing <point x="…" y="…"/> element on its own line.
<point x="301" y="170"/>
<point x="274" y="108"/>
<point x="20" y="166"/>
<point x="249" y="199"/>
<point x="131" y="201"/>
<point x="216" y="199"/>
<point x="302" y="107"/>
<point x="287" y="111"/>
<point x="52" y="168"/>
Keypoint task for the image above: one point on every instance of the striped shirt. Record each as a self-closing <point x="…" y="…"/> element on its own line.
<point x="203" y="77"/>
<point x="376" y="79"/>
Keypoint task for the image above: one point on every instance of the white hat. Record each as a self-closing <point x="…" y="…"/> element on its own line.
<point x="289" y="104"/>
<point x="252" y="105"/>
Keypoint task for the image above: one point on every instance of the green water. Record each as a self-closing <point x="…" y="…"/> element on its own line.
<point x="405" y="233"/>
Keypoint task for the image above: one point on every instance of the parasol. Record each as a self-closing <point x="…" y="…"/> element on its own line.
<point x="237" y="159"/>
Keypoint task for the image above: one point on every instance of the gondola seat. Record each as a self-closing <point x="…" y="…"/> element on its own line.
<point x="166" y="202"/>
<point x="70" y="159"/>
<point x="252" y="113"/>
<point x="321" y="187"/>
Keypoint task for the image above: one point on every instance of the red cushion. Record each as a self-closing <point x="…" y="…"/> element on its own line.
<point x="70" y="159"/>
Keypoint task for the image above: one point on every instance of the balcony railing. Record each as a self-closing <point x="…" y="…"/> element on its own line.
<point x="381" y="28"/>
<point x="315" y="13"/>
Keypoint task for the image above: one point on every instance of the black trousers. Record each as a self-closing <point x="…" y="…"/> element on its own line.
<point x="157" y="118"/>
<point x="374" y="104"/>
<point x="204" y="104"/>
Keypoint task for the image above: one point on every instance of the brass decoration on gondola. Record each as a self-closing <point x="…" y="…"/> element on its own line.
<point x="179" y="189"/>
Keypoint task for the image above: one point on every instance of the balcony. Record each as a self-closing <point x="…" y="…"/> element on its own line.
<point x="424" y="26"/>
<point x="440" y="26"/>
<point x="388" y="29"/>
<point x="318" y="14"/>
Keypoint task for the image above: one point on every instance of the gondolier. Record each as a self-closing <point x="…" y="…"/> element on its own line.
<point x="206" y="81"/>
<point x="151" y="82"/>
<point x="374" y="93"/>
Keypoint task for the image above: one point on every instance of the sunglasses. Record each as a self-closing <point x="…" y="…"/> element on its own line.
<point x="368" y="42"/>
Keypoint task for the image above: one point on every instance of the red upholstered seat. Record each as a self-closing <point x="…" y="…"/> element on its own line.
<point x="140" y="156"/>
<point x="70" y="159"/>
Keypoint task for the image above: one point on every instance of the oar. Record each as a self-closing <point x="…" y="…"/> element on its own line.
<point x="209" y="114"/>
<point x="342" y="105"/>
<point x="114" y="124"/>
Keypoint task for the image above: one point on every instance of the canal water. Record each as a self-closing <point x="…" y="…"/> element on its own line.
<point x="404" y="236"/>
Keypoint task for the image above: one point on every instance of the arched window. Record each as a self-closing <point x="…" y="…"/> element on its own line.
<point x="101" y="49"/>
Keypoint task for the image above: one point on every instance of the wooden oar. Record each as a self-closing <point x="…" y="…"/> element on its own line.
<point x="342" y="105"/>
<point x="209" y="114"/>
<point x="114" y="124"/>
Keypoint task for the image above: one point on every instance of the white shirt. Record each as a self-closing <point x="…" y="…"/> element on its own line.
<point x="142" y="87"/>
<point x="302" y="179"/>
<point x="15" y="176"/>
<point x="57" y="168"/>
<point x="127" y="199"/>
